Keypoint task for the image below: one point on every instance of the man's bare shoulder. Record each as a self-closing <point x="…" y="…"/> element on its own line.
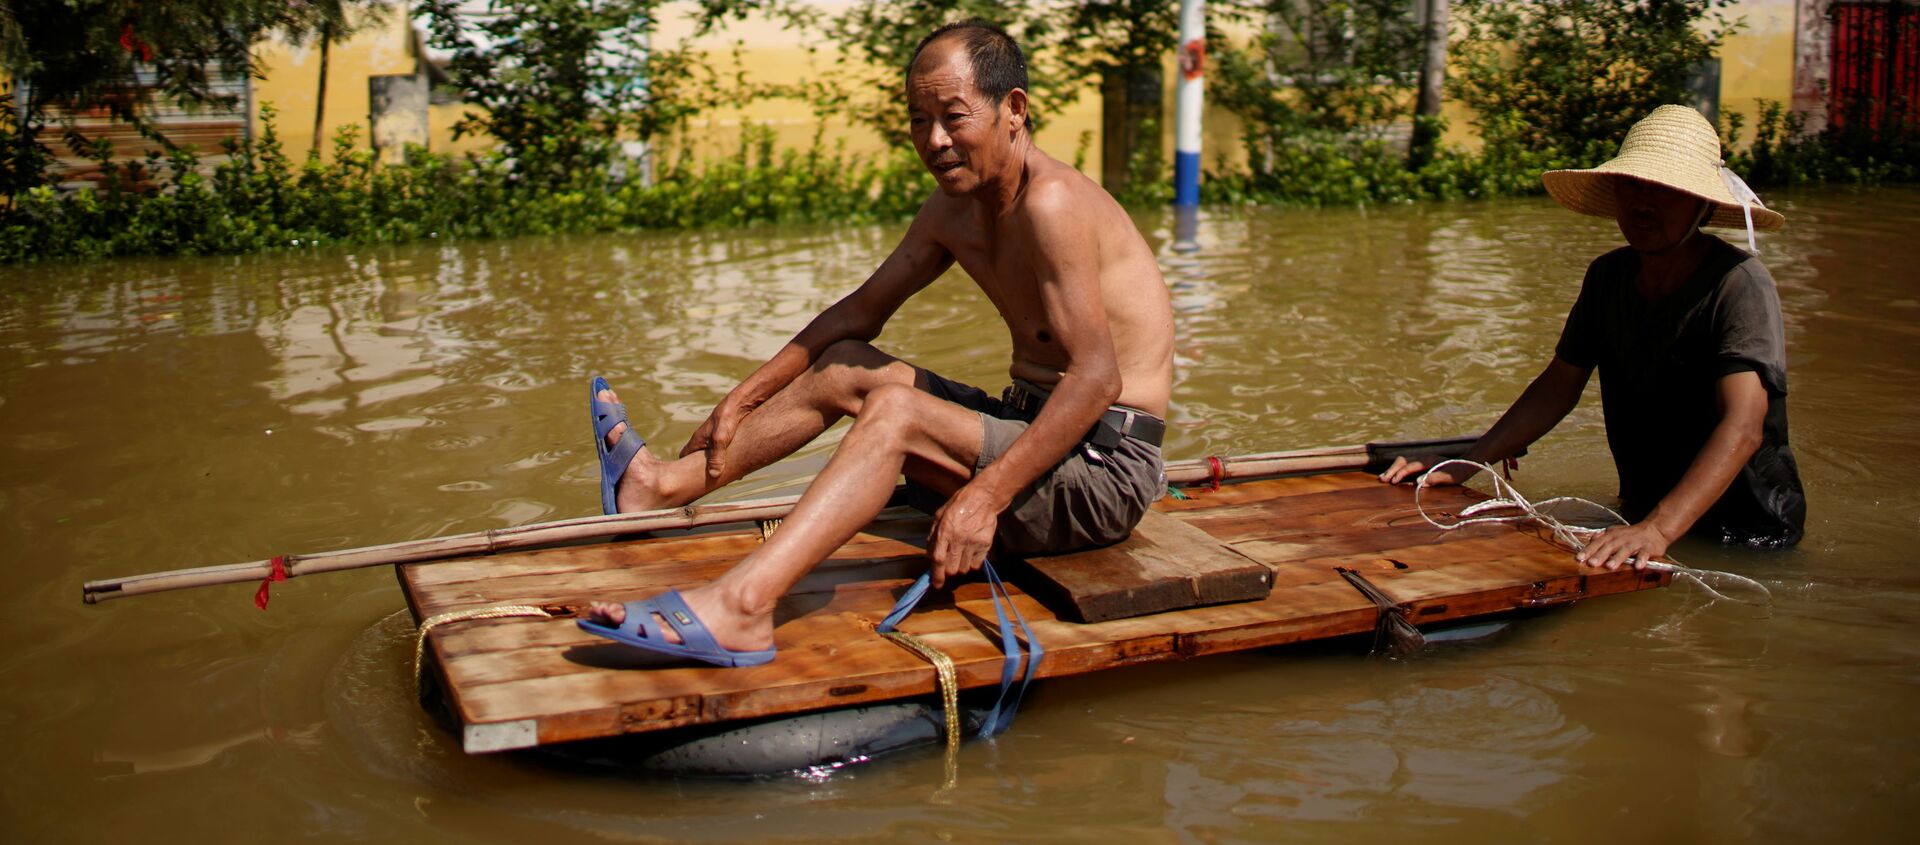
<point x="1058" y="190"/>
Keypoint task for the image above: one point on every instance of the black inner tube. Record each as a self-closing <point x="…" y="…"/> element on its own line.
<point x="781" y="745"/>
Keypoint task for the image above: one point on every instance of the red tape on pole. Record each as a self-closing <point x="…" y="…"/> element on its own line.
<point x="1217" y="470"/>
<point x="279" y="573"/>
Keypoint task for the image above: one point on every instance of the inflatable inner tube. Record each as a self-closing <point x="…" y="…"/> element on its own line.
<point x="782" y="745"/>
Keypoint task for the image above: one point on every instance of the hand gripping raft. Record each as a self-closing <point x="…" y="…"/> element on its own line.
<point x="1509" y="506"/>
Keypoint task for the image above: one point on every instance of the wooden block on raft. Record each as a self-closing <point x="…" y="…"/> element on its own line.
<point x="1166" y="565"/>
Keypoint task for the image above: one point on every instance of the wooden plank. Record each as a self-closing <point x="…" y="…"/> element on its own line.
<point x="1165" y="565"/>
<point x="512" y="682"/>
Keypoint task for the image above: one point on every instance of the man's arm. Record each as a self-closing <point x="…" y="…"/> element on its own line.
<point x="915" y="263"/>
<point x="1552" y="395"/>
<point x="1066" y="266"/>
<point x="1743" y="412"/>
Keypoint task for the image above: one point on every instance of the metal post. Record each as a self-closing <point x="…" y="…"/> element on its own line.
<point x="1186" y="138"/>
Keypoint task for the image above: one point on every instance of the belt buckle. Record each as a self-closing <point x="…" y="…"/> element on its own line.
<point x="1025" y="400"/>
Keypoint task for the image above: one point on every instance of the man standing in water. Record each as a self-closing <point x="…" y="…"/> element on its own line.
<point x="1068" y="459"/>
<point x="1685" y="330"/>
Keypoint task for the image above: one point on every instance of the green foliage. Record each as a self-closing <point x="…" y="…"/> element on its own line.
<point x="1570" y="76"/>
<point x="260" y="200"/>
<point x="876" y="40"/>
<point x="89" y="54"/>
<point x="1555" y="83"/>
<point x="1784" y="152"/>
<point x="23" y="160"/>
<point x="1321" y="66"/>
<point x="557" y="82"/>
<point x="1323" y="171"/>
<point x="1092" y="38"/>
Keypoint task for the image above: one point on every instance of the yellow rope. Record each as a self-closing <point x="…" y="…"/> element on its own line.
<point x="949" y="684"/>
<point x="500" y="612"/>
<point x="767" y="527"/>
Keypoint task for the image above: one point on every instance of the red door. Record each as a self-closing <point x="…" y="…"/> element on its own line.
<point x="1876" y="66"/>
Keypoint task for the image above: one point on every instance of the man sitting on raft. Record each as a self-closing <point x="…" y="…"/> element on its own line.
<point x="1686" y="332"/>
<point x="1068" y="459"/>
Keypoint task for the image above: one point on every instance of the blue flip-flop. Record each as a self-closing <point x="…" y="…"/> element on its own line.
<point x="641" y="631"/>
<point x="614" y="461"/>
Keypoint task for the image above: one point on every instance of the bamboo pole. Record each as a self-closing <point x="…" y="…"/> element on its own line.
<point x="694" y="516"/>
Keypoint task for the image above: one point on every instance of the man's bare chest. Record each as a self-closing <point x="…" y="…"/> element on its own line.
<point x="1002" y="266"/>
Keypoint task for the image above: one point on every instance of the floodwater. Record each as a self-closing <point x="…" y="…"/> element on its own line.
<point x="157" y="414"/>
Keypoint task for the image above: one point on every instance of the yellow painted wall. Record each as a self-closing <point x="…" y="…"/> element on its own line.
<point x="1756" y="63"/>
<point x="771" y="53"/>
<point x="382" y="46"/>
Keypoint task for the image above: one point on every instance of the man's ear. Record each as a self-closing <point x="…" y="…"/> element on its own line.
<point x="1016" y="108"/>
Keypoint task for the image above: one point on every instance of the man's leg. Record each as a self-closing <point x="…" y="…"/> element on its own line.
<point x="835" y="386"/>
<point x="899" y="429"/>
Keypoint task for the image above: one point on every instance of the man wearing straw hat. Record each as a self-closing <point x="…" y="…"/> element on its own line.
<point x="1685" y="330"/>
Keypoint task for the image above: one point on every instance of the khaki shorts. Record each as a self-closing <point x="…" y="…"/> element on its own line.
<point x="1093" y="497"/>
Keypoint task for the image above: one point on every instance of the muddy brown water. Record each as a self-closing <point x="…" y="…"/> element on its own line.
<point x="165" y="413"/>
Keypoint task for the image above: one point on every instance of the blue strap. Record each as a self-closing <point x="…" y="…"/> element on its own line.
<point x="1035" y="652"/>
<point x="905" y="605"/>
<point x="1001" y="716"/>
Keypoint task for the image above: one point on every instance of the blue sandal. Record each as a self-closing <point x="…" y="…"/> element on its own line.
<point x="641" y="630"/>
<point x="614" y="461"/>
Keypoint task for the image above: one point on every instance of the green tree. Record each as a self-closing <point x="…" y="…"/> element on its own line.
<point x="560" y="82"/>
<point x="1570" y="76"/>
<point x="1323" y="66"/>
<point x="876" y="40"/>
<point x="89" y="53"/>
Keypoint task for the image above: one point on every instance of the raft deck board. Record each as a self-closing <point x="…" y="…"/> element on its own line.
<point x="522" y="682"/>
<point x="1165" y="565"/>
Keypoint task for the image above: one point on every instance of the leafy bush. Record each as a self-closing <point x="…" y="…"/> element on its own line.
<point x="1340" y="67"/>
<point x="259" y="200"/>
<point x="1324" y="170"/>
<point x="1784" y="152"/>
<point x="1570" y="76"/>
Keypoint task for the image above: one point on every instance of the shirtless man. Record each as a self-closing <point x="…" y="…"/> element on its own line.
<point x="1069" y="459"/>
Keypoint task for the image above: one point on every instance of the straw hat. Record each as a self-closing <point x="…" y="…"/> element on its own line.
<point x="1676" y="147"/>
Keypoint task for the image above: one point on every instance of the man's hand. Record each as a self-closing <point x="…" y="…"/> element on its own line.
<point x="962" y="533"/>
<point x="1638" y="544"/>
<point x="716" y="434"/>
<point x="1408" y="470"/>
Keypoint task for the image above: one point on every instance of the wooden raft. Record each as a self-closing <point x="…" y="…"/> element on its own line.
<point x="517" y="683"/>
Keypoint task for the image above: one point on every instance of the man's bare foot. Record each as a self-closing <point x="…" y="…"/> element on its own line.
<point x="733" y="629"/>
<point x="642" y="486"/>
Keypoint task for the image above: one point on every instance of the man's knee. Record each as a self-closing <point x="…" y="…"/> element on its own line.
<point x="849" y="353"/>
<point x="888" y="411"/>
<point x="848" y="371"/>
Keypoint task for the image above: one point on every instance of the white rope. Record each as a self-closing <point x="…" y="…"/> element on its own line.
<point x="1509" y="506"/>
<point x="1748" y="199"/>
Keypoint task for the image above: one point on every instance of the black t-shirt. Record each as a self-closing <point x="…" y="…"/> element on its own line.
<point x="1660" y="362"/>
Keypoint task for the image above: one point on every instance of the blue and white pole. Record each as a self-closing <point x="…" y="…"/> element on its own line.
<point x="1186" y="131"/>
